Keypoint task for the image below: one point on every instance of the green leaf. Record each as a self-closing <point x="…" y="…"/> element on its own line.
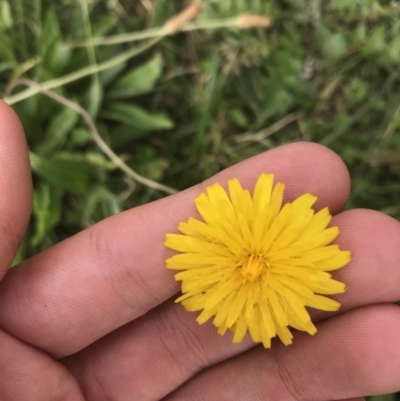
<point x="387" y="397"/>
<point x="101" y="26"/>
<point x="123" y="134"/>
<point x="346" y="6"/>
<point x="79" y="136"/>
<point x="99" y="160"/>
<point x="95" y="95"/>
<point x="394" y="48"/>
<point x="70" y="174"/>
<point x="56" y="134"/>
<point x="99" y="204"/>
<point x="139" y="81"/>
<point x="376" y="41"/>
<point x="46" y="210"/>
<point x="6" y="19"/>
<point x="54" y="55"/>
<point x="277" y="102"/>
<point x="50" y="31"/>
<point x="109" y="75"/>
<point x="239" y="118"/>
<point x="6" y="49"/>
<point x="137" y="118"/>
<point x="6" y="65"/>
<point x="358" y="90"/>
<point x="360" y="33"/>
<point x="334" y="45"/>
<point x="331" y="44"/>
<point x="154" y="169"/>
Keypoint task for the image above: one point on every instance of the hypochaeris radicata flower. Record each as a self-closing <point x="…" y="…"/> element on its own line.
<point x="255" y="265"/>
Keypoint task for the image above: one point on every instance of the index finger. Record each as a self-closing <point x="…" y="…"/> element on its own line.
<point x="15" y="185"/>
<point x="76" y="292"/>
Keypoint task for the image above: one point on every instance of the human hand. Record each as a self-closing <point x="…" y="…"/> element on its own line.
<point x="93" y="318"/>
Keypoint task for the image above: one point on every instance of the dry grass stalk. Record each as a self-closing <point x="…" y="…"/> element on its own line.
<point x="266" y="132"/>
<point x="247" y="21"/>
<point x="175" y="24"/>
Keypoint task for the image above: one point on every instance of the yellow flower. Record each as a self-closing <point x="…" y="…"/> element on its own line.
<point x="255" y="265"/>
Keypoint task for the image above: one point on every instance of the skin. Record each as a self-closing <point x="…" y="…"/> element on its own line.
<point x="93" y="318"/>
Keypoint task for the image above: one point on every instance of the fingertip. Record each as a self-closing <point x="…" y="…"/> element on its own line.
<point x="323" y="172"/>
<point x="8" y="115"/>
<point x="373" y="272"/>
<point x="337" y="178"/>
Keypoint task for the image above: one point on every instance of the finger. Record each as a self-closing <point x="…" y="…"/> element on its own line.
<point x="167" y="341"/>
<point x="114" y="272"/>
<point x="41" y="377"/>
<point x="355" y="353"/>
<point x="15" y="185"/>
<point x="184" y="347"/>
<point x="373" y="274"/>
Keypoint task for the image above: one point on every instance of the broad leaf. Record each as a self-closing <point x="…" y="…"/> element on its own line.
<point x="57" y="132"/>
<point x="73" y="175"/>
<point x="139" y="81"/>
<point x="6" y="48"/>
<point x="137" y="118"/>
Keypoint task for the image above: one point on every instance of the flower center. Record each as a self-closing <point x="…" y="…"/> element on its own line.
<point x="252" y="267"/>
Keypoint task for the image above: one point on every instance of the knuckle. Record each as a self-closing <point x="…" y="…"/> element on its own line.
<point x="117" y="267"/>
<point x="184" y="339"/>
<point x="291" y="376"/>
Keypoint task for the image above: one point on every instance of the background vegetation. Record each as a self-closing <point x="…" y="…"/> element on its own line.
<point x="188" y="105"/>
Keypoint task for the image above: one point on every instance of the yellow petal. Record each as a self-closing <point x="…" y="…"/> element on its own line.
<point x="326" y="287"/>
<point x="314" y="255"/>
<point x="319" y="221"/>
<point x="334" y="262"/>
<point x="206" y="314"/>
<point x="277" y="309"/>
<point x="261" y="227"/>
<point x="267" y="320"/>
<point x="277" y="197"/>
<point x="191" y="260"/>
<point x="220" y="292"/>
<point x="284" y="334"/>
<point x="235" y="193"/>
<point x="323" y="303"/>
<point x="262" y="191"/>
<point x="237" y="305"/>
<point x="299" y="324"/>
<point x="304" y="202"/>
<point x="240" y="329"/>
<point x="277" y="226"/>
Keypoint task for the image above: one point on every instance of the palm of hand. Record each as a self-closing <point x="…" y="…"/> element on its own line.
<point x="92" y="318"/>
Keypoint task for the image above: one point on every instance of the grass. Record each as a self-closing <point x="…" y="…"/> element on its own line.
<point x="176" y="109"/>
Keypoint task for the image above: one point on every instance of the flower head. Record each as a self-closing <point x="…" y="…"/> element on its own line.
<point x="254" y="264"/>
